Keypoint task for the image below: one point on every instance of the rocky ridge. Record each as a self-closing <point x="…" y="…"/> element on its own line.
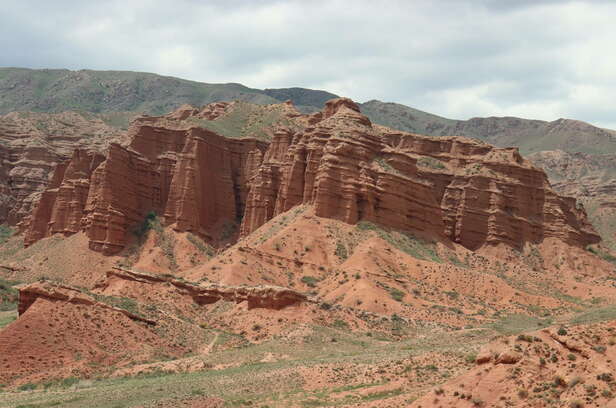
<point x="33" y="143"/>
<point x="590" y="178"/>
<point x="336" y="160"/>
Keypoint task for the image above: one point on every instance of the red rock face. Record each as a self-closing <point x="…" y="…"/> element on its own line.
<point x="61" y="206"/>
<point x="191" y="176"/>
<point x="459" y="188"/>
<point x="335" y="160"/>
<point x="32" y="145"/>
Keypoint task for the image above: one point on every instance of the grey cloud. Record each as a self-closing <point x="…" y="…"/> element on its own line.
<point x="542" y="59"/>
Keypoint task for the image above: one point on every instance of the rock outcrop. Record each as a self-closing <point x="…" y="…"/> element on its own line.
<point x="60" y="208"/>
<point x="572" y="363"/>
<point x="33" y="144"/>
<point x="60" y="293"/>
<point x="336" y="160"/>
<point x="193" y="177"/>
<point x="471" y="192"/>
<point x="590" y="179"/>
<point x="263" y="296"/>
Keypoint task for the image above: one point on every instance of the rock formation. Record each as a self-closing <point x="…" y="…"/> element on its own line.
<point x="466" y="190"/>
<point x="590" y="179"/>
<point x="32" y="145"/>
<point x="335" y="160"/>
<point x="193" y="177"/>
<point x="54" y="292"/>
<point x="268" y="297"/>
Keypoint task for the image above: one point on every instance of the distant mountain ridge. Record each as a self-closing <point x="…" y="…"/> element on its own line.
<point x="529" y="135"/>
<point x="59" y="90"/>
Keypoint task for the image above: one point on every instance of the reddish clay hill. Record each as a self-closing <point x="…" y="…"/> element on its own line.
<point x="445" y="188"/>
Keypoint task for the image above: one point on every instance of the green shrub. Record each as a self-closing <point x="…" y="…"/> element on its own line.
<point x="396" y="294"/>
<point x="27" y="387"/>
<point x="341" y="251"/>
<point x="310" y="281"/>
<point x="148" y="223"/>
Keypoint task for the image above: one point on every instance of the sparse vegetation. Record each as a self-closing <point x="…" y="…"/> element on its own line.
<point x="8" y="295"/>
<point x="341" y="251"/>
<point x="310" y="281"/>
<point x="404" y="242"/>
<point x="396" y="294"/>
<point x="430" y="162"/>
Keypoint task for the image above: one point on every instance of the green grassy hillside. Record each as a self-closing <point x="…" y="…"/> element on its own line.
<point x="57" y="90"/>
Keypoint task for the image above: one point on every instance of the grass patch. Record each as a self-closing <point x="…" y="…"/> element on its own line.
<point x="601" y="254"/>
<point x="404" y="241"/>
<point x="7" y="318"/>
<point x="200" y="245"/>
<point x="310" y="281"/>
<point x="8" y="295"/>
<point x="5" y="233"/>
<point x="396" y="294"/>
<point x="595" y="316"/>
<point x="341" y="251"/>
<point x="430" y="162"/>
<point x="517" y="323"/>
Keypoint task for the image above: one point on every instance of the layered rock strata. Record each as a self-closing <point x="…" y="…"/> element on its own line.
<point x="449" y="188"/>
<point x="32" y="144"/>
<point x="29" y="294"/>
<point x="193" y="177"/>
<point x="264" y="296"/>
<point x="460" y="188"/>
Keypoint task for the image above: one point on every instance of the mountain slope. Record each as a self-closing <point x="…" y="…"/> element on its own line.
<point x="58" y="90"/>
<point x="529" y="135"/>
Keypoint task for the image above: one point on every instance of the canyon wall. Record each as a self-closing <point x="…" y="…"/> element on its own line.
<point x="32" y="144"/>
<point x="195" y="178"/>
<point x="336" y="160"/>
<point x="468" y="191"/>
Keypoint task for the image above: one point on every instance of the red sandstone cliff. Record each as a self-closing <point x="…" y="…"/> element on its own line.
<point x="336" y="160"/>
<point x="471" y="192"/>
<point x="193" y="177"/>
<point x="33" y="144"/>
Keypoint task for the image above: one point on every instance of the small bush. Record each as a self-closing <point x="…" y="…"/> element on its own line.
<point x="340" y="324"/>
<point x="311" y="281"/>
<point x="396" y="294"/>
<point x="606" y="377"/>
<point x="147" y="224"/>
<point x="562" y="331"/>
<point x="559" y="381"/>
<point x="477" y="402"/>
<point x="600" y="349"/>
<point x="341" y="251"/>
<point x="27" y="387"/>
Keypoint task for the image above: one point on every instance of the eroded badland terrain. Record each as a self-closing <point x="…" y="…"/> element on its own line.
<point x="237" y="254"/>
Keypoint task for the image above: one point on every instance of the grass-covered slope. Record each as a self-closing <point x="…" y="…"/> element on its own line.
<point x="529" y="135"/>
<point x="57" y="90"/>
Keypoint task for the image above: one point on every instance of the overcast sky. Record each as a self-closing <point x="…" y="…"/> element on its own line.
<point x="535" y="59"/>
